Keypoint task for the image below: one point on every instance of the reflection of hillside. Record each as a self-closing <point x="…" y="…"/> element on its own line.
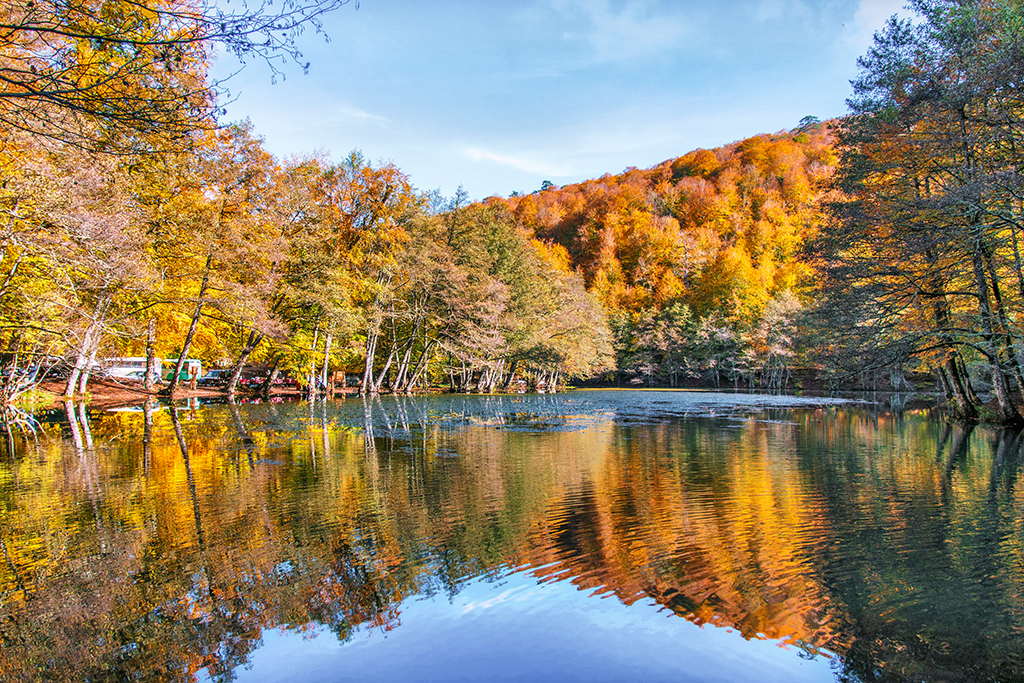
<point x="895" y="543"/>
<point x="715" y="526"/>
<point x="702" y="522"/>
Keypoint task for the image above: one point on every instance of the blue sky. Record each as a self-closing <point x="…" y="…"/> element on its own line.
<point x="498" y="96"/>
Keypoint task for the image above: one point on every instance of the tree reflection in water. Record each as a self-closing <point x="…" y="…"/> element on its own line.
<point x="165" y="542"/>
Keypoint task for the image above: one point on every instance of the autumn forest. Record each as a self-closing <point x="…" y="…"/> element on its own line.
<point x="881" y="249"/>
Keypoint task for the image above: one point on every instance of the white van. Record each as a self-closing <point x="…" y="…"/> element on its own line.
<point x="126" y="368"/>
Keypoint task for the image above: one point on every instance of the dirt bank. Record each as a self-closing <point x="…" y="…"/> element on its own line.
<point x="105" y="392"/>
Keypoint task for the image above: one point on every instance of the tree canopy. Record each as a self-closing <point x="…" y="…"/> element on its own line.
<point x="130" y="76"/>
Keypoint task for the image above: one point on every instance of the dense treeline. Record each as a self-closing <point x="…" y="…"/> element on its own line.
<point x="885" y="242"/>
<point x="308" y="266"/>
<point x="924" y="259"/>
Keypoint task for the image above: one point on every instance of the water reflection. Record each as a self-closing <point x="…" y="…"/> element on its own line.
<point x="168" y="541"/>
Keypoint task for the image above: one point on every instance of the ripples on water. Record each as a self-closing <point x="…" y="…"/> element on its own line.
<point x="580" y="535"/>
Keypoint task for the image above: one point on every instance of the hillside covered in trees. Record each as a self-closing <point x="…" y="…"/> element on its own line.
<point x="700" y="261"/>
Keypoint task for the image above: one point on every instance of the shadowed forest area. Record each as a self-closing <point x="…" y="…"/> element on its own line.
<point x="136" y="224"/>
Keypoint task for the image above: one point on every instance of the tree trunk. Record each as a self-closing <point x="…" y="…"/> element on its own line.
<point x="511" y="378"/>
<point x="83" y="379"/>
<point x="965" y="407"/>
<point x="191" y="328"/>
<point x="268" y="383"/>
<point x="251" y="343"/>
<point x="950" y="369"/>
<point x="384" y="371"/>
<point x="966" y="375"/>
<point x="312" y="375"/>
<point x="421" y="365"/>
<point x="1005" y="411"/>
<point x="1007" y="336"/>
<point x="402" y="373"/>
<point x="327" y="357"/>
<point x="366" y="384"/>
<point x="87" y="349"/>
<point x="150" y="355"/>
<point x="81" y="359"/>
<point x="1017" y="263"/>
<point x="943" y="384"/>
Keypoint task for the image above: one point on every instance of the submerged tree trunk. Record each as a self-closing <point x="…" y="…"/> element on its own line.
<point x="366" y="384"/>
<point x="384" y="371"/>
<point x="87" y="349"/>
<point x="402" y="376"/>
<point x="311" y="377"/>
<point x="511" y="377"/>
<point x="421" y="366"/>
<point x="83" y="378"/>
<point x="81" y="359"/>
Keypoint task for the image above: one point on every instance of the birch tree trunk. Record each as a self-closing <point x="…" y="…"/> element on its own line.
<point x="327" y="357"/>
<point x="150" y="355"/>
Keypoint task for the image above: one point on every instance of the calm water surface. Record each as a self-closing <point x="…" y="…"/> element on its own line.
<point x="593" y="536"/>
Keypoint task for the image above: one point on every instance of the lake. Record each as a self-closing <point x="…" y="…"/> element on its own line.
<point x="589" y="535"/>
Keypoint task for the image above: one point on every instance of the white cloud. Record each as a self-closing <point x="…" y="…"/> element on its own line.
<point x="871" y="16"/>
<point x="517" y="594"/>
<point x="322" y="117"/>
<point x="616" y="34"/>
<point x="537" y="166"/>
<point x="349" y="114"/>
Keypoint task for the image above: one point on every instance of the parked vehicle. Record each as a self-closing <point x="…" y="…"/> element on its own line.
<point x="124" y="368"/>
<point x="214" y="378"/>
<point x="140" y="375"/>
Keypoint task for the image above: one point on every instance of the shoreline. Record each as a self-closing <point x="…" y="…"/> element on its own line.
<point x="105" y="393"/>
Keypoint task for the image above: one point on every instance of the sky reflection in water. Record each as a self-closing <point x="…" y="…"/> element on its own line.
<point x="517" y="629"/>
